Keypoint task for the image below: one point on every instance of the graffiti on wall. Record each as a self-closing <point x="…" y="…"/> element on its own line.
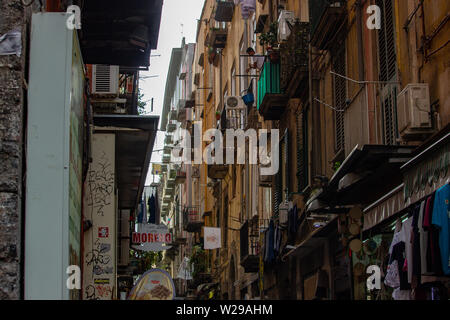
<point x="99" y="256"/>
<point x="101" y="185"/>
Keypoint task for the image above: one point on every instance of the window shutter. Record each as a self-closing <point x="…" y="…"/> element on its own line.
<point x="340" y="97"/>
<point x="302" y="150"/>
<point x="282" y="177"/>
<point x="388" y="71"/>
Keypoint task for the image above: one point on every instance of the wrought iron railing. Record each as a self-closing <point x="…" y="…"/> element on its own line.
<point x="294" y="54"/>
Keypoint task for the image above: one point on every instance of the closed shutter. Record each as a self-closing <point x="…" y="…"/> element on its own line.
<point x="282" y="177"/>
<point x="302" y="150"/>
<point x="388" y="71"/>
<point x="340" y="97"/>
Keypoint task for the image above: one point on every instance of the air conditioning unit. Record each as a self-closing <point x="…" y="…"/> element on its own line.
<point x="413" y="110"/>
<point x="284" y="31"/>
<point x="234" y="103"/>
<point x="105" y="79"/>
<point x="189" y="116"/>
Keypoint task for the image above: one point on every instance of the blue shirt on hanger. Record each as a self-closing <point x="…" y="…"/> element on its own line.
<point x="441" y="219"/>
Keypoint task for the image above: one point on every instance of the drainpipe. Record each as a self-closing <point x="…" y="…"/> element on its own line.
<point x="310" y="89"/>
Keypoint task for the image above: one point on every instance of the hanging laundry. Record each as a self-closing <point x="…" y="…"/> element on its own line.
<point x="152" y="209"/>
<point x="248" y="7"/>
<point x="441" y="219"/>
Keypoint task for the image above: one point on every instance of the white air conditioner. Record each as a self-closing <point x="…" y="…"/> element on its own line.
<point x="283" y="28"/>
<point x="105" y="79"/>
<point x="234" y="103"/>
<point x="413" y="109"/>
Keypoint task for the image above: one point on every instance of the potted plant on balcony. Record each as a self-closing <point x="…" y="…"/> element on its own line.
<point x="270" y="39"/>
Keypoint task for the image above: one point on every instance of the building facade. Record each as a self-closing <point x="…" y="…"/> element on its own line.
<point x="360" y="103"/>
<point x="70" y="182"/>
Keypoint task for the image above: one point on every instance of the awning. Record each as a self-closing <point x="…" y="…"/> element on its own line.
<point x="135" y="136"/>
<point x="424" y="173"/>
<point x="365" y="176"/>
<point x="314" y="240"/>
<point x="119" y="32"/>
<point x="384" y="208"/>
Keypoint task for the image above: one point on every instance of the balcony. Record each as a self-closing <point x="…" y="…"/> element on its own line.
<point x="217" y="36"/>
<point x="294" y="59"/>
<point x="192" y="219"/>
<point x="171" y="126"/>
<point x="180" y="177"/>
<point x="166" y="158"/>
<point x="326" y="18"/>
<point x="224" y="11"/>
<point x="168" y="140"/>
<point x="253" y="119"/>
<point x="185" y="103"/>
<point x="249" y="237"/>
<point x="173" y="114"/>
<point x="179" y="237"/>
<point x="271" y="102"/>
<point x="234" y="118"/>
<point x="217" y="171"/>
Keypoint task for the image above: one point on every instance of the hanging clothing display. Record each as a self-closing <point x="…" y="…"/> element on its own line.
<point x="441" y="219"/>
<point x="152" y="209"/>
<point x="140" y="218"/>
<point x="421" y="248"/>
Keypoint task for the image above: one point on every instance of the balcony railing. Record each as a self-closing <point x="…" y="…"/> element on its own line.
<point x="294" y="58"/>
<point x="224" y="10"/>
<point x="234" y="118"/>
<point x="250" y="248"/>
<point x="217" y="36"/>
<point x="181" y="176"/>
<point x="192" y="219"/>
<point x="271" y="101"/>
<point x="326" y="17"/>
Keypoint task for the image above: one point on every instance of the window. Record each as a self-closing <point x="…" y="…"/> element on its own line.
<point x="302" y="149"/>
<point x="340" y="97"/>
<point x="388" y="71"/>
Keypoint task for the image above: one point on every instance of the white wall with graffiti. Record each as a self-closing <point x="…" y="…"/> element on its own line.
<point x="99" y="254"/>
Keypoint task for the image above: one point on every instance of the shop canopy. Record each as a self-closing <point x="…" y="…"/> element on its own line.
<point x="119" y="32"/>
<point x="135" y="136"/>
<point x="363" y="177"/>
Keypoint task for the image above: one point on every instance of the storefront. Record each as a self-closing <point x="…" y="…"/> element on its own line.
<point x="405" y="232"/>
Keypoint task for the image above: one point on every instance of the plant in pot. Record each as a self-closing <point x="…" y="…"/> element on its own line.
<point x="270" y="39"/>
<point x="198" y="261"/>
<point x="218" y="115"/>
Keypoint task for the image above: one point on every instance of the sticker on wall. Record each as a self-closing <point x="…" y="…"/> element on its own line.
<point x="103" y="232"/>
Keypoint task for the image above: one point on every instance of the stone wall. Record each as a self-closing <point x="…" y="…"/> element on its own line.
<point x="12" y="93"/>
